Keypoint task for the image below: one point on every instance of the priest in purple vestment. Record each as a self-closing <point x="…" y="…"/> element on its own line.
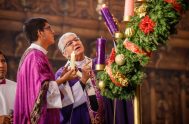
<point x="38" y="98"/>
<point x="82" y="102"/>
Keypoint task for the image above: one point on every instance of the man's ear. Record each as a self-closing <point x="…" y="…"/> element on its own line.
<point x="65" y="54"/>
<point x="40" y="34"/>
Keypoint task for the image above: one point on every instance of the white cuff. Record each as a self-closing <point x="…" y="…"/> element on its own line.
<point x="67" y="93"/>
<point x="79" y="94"/>
<point x="53" y="96"/>
<point x="74" y="95"/>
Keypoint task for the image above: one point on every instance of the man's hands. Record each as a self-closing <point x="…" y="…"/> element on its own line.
<point x="67" y="74"/>
<point x="86" y="70"/>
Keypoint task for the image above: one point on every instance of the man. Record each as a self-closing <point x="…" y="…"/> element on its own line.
<point x="7" y="93"/>
<point x="37" y="95"/>
<point x="82" y="103"/>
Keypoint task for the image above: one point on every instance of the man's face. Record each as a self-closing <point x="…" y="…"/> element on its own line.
<point x="73" y="43"/>
<point x="3" y="67"/>
<point x="48" y="34"/>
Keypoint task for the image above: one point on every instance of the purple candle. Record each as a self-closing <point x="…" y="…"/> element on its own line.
<point x="110" y="23"/>
<point x="100" y="46"/>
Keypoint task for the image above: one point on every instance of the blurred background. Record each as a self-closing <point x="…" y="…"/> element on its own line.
<point x="165" y="90"/>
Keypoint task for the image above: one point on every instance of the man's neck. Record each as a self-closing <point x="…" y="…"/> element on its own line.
<point x="41" y="44"/>
<point x="80" y="58"/>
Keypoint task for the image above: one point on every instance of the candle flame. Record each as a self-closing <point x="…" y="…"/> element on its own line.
<point x="104" y="5"/>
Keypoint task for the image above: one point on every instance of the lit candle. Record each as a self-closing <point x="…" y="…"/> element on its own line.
<point x="72" y="60"/>
<point x="110" y="23"/>
<point x="100" y="46"/>
<point x="128" y="10"/>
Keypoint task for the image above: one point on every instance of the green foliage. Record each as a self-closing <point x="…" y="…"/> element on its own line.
<point x="165" y="17"/>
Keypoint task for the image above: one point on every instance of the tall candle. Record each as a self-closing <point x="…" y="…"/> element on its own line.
<point x="100" y="46"/>
<point x="110" y="23"/>
<point x="72" y="60"/>
<point x="128" y="10"/>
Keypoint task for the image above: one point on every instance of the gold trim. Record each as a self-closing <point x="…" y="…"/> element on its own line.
<point x="100" y="67"/>
<point x="140" y="1"/>
<point x="126" y="18"/>
<point x="137" y="106"/>
<point x="118" y="35"/>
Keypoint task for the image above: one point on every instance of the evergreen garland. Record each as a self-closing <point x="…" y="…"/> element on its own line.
<point x="148" y="31"/>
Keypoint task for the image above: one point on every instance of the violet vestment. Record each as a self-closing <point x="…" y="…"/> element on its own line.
<point x="33" y="71"/>
<point x="81" y="104"/>
<point x="80" y="112"/>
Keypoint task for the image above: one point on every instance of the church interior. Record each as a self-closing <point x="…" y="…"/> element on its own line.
<point x="165" y="89"/>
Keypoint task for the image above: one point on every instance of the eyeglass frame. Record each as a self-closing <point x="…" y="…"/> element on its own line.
<point x="70" y="41"/>
<point x="48" y="28"/>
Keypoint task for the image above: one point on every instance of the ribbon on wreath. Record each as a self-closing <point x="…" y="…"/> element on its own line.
<point x="122" y="81"/>
<point x="109" y="71"/>
<point x="134" y="48"/>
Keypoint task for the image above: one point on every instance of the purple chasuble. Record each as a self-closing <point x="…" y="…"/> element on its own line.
<point x="78" y="115"/>
<point x="83" y="113"/>
<point x="33" y="71"/>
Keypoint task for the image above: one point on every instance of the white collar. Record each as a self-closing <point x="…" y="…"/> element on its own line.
<point x="80" y="63"/>
<point x="36" y="46"/>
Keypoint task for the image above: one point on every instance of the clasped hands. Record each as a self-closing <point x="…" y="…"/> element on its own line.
<point x="69" y="74"/>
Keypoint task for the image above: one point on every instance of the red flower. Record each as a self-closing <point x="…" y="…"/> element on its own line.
<point x="169" y="1"/>
<point x="147" y="25"/>
<point x="175" y="5"/>
<point x="111" y="58"/>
